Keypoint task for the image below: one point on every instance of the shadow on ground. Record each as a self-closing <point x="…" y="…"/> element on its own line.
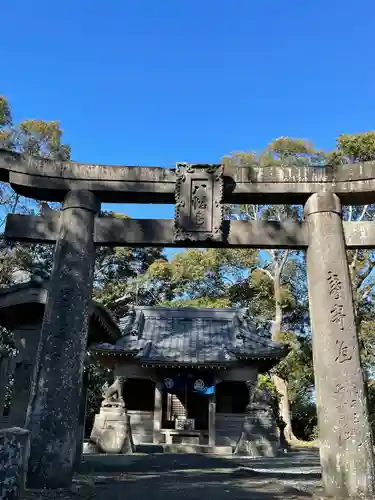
<point x="167" y="477"/>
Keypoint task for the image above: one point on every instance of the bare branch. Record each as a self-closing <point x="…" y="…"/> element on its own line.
<point x="350" y="214"/>
<point x="267" y="272"/>
<point x="365" y="275"/>
<point x="353" y="264"/>
<point x="364" y="211"/>
<point x="283" y="260"/>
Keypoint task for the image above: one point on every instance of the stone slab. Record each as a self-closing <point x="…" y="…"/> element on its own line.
<point x="14" y="455"/>
<point x="50" y="180"/>
<point x="196" y="448"/>
<point x="160" y="233"/>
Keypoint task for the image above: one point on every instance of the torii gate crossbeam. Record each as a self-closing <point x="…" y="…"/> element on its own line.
<point x="198" y="193"/>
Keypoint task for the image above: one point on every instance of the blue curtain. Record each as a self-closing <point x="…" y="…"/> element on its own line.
<point x="201" y="384"/>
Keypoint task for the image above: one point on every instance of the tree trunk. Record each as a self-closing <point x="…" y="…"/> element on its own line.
<point x="280" y="384"/>
<point x="284" y="408"/>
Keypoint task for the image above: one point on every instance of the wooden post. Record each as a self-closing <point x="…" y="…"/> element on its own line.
<point x="158" y="411"/>
<point x="212" y="419"/>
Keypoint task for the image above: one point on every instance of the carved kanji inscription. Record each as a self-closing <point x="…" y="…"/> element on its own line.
<point x="335" y="286"/>
<point x="344" y="352"/>
<point x="199" y="211"/>
<point x="337" y="315"/>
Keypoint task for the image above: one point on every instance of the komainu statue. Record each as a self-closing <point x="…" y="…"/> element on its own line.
<point x="113" y="394"/>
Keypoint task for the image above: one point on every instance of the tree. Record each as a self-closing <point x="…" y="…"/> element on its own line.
<point x="17" y="261"/>
<point x="354" y="148"/>
<point x="284" y="152"/>
<point x="30" y="137"/>
<point x="281" y="152"/>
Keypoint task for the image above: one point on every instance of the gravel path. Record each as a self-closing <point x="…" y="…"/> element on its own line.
<point x="167" y="477"/>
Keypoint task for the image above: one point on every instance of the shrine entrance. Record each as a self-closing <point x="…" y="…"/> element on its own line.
<point x="199" y="193"/>
<point x="186" y="400"/>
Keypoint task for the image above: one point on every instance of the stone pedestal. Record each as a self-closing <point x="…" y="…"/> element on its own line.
<point x="259" y="434"/>
<point x="111" y="431"/>
<point x="344" y="432"/>
<point x="53" y="411"/>
<point x="14" y="454"/>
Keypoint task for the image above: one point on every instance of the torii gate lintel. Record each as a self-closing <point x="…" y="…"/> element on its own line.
<point x="199" y="192"/>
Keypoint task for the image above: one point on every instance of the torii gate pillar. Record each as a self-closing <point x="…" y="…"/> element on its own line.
<point x="54" y="406"/>
<point x="344" y="432"/>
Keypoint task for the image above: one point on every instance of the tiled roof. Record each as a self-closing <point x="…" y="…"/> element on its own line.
<point x="192" y="336"/>
<point x="24" y="303"/>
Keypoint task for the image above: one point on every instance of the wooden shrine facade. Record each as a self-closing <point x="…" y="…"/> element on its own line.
<point x="188" y="367"/>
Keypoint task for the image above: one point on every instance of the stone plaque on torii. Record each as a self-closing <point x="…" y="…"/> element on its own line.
<point x="199" y="192"/>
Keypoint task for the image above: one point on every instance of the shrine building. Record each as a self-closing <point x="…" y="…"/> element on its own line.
<point x="187" y="372"/>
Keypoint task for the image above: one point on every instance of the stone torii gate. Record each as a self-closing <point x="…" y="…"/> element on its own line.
<point x="198" y="192"/>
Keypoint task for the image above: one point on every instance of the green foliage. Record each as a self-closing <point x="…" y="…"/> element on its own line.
<point x="97" y="376"/>
<point x="304" y="417"/>
<point x="35" y="137"/>
<point x="265" y="382"/>
<point x="357" y="147"/>
<point x="296" y="368"/>
<point x="5" y="113"/>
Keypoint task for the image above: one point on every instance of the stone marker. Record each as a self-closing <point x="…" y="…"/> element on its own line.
<point x="54" y="407"/>
<point x="14" y="454"/>
<point x="344" y="431"/>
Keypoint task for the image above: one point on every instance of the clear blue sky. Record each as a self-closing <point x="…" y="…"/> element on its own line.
<point x="154" y="82"/>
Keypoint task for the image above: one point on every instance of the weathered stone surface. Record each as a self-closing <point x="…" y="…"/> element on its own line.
<point x="50" y="180"/>
<point x="259" y="433"/>
<point x="112" y="431"/>
<point x="53" y="411"/>
<point x="113" y="394"/>
<point x="14" y="453"/>
<point x="160" y="233"/>
<point x="81" y="421"/>
<point x="345" y="437"/>
<point x="198" y="208"/>
<point x="26" y="340"/>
